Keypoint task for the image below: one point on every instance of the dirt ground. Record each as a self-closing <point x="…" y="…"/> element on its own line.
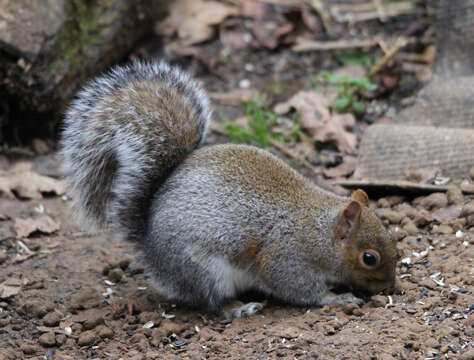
<point x="66" y="293"/>
<point x="78" y="295"/>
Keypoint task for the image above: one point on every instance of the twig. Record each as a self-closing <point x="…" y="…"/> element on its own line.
<point x="392" y="51"/>
<point x="309" y="45"/>
<point x="320" y="8"/>
<point x="368" y="11"/>
<point x="287" y="3"/>
<point x="282" y="148"/>
<point x="380" y="10"/>
<point x="25" y="248"/>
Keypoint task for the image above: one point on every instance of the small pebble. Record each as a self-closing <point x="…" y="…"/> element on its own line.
<point x="28" y="349"/>
<point x="115" y="275"/>
<point x="410" y="310"/>
<point x="52" y="319"/>
<point x="244" y="83"/>
<point x="47" y="339"/>
<point x="104" y="332"/>
<point x="87" y="338"/>
<point x="406" y="261"/>
<point x="85" y="299"/>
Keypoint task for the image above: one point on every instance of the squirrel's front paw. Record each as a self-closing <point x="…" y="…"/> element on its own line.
<point x="238" y="309"/>
<point x="342" y="299"/>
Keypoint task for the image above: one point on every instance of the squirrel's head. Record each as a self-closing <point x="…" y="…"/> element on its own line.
<point x="368" y="252"/>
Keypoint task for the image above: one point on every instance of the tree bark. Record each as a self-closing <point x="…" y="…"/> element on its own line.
<point x="49" y="48"/>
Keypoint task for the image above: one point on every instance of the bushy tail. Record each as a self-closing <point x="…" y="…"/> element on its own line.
<point x="124" y="133"/>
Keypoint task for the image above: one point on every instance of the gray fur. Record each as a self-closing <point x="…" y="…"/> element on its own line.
<point x="216" y="221"/>
<point x="212" y="222"/>
<point x="112" y="169"/>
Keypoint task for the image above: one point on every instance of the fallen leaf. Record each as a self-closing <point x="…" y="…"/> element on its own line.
<point x="346" y="168"/>
<point x="310" y="19"/>
<point x="10" y="209"/>
<point x="268" y="33"/>
<point x="193" y="20"/>
<point x="10" y="287"/>
<point x="253" y="9"/>
<point x="317" y="119"/>
<point x="22" y="181"/>
<point x="25" y="227"/>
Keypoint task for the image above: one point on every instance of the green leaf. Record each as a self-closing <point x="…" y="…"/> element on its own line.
<point x="358" y="107"/>
<point x="341" y="103"/>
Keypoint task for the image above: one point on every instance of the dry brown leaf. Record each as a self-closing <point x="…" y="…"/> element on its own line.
<point x="269" y="33"/>
<point x="317" y="119"/>
<point x="10" y="287"/>
<point x="310" y="19"/>
<point x="27" y="184"/>
<point x="25" y="227"/>
<point x="253" y="9"/>
<point x="193" y="19"/>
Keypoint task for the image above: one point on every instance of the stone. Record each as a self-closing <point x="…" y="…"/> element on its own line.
<point x="52" y="319"/>
<point x="87" y="338"/>
<point x="434" y="201"/>
<point x="454" y="195"/>
<point x="468" y="209"/>
<point x="85" y="299"/>
<point x="115" y="275"/>
<point x="104" y="332"/>
<point x="47" y="339"/>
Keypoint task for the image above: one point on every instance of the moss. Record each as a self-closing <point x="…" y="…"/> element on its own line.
<point x="74" y="40"/>
<point x="90" y="23"/>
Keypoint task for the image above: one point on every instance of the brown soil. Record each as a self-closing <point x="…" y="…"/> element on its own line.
<point x="64" y="311"/>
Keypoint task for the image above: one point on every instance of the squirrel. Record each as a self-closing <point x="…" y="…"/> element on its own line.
<point x="212" y="221"/>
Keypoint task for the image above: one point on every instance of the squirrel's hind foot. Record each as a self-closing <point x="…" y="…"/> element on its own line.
<point x="238" y="309"/>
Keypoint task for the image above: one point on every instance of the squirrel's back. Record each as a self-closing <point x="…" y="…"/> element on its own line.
<point x="124" y="133"/>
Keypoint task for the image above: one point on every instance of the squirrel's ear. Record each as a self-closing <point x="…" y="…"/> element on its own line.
<point x="351" y="212"/>
<point x="361" y="197"/>
<point x="349" y="220"/>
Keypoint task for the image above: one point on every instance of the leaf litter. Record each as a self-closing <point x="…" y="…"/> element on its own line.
<point x="319" y="122"/>
<point x="23" y="182"/>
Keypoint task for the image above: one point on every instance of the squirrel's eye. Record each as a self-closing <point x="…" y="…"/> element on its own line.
<point x="369" y="258"/>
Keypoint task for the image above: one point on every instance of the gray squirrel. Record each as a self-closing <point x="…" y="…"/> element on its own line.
<point x="215" y="221"/>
